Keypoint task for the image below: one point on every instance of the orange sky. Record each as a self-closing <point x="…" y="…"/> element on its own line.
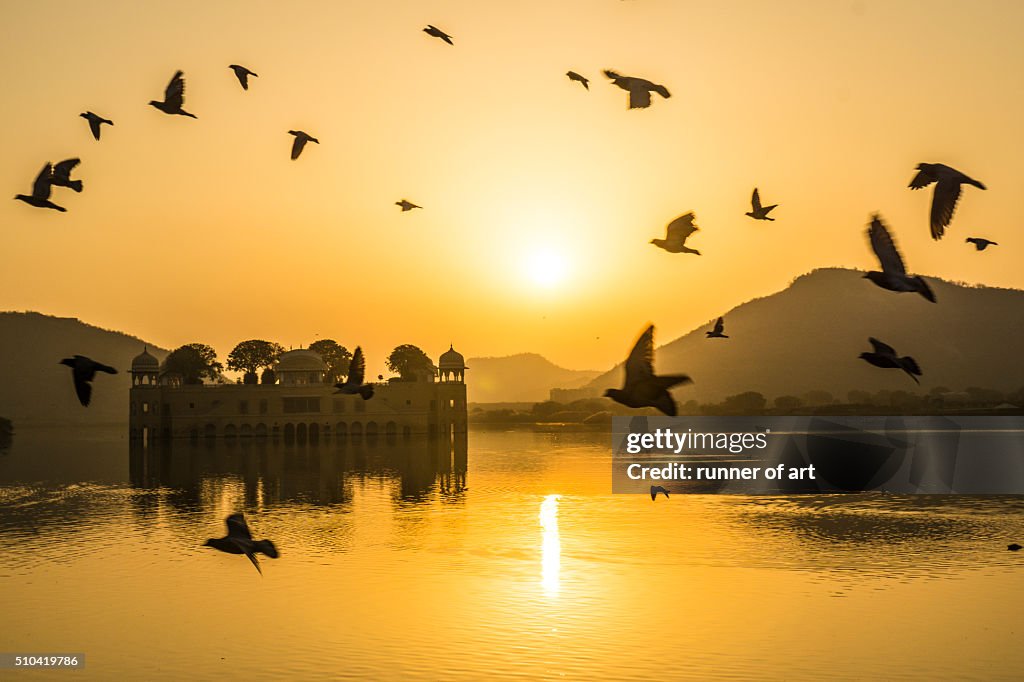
<point x="205" y="230"/>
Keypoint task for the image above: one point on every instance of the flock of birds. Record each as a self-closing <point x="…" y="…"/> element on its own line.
<point x="642" y="386"/>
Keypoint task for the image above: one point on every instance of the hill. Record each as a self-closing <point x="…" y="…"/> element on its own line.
<point x="38" y="391"/>
<point x="526" y="377"/>
<point x="809" y="336"/>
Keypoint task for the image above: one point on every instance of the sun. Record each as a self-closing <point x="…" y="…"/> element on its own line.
<point x="545" y="268"/>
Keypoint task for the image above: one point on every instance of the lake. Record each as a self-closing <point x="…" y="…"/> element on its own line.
<point x="502" y="557"/>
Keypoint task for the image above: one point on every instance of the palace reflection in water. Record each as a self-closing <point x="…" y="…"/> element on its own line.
<point x="272" y="471"/>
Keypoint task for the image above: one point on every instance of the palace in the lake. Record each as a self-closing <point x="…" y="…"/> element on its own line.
<point x="299" y="405"/>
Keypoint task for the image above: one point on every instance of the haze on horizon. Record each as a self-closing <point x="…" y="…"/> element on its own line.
<point x="539" y="197"/>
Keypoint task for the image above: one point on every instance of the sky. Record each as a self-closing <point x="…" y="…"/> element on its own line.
<point x="539" y="197"/>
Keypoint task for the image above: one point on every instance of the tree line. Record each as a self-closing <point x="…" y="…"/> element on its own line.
<point x="194" y="363"/>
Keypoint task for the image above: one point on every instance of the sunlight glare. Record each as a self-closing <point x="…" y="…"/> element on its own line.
<point x="551" y="547"/>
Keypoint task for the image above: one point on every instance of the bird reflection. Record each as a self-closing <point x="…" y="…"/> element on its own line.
<point x="551" y="547"/>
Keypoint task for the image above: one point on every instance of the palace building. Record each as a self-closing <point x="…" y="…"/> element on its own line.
<point x="298" y="406"/>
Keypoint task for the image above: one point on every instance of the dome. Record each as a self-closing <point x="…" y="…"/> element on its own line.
<point x="300" y="360"/>
<point x="452" y="359"/>
<point x="144" y="362"/>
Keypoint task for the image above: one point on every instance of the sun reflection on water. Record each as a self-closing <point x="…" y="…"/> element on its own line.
<point x="551" y="547"/>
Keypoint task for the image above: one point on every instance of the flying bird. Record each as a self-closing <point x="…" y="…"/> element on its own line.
<point x="573" y="76"/>
<point x="438" y="33"/>
<point x="62" y="175"/>
<point x="885" y="356"/>
<point x="643" y="388"/>
<point x="676" y="234"/>
<point x="716" y="333"/>
<point x="301" y="139"/>
<point x="174" y="97"/>
<point x="655" y="489"/>
<point x="239" y="541"/>
<point x="83" y="371"/>
<point x="354" y="381"/>
<point x="894" y="275"/>
<point x="406" y="205"/>
<point x="980" y="243"/>
<point x="40" y="197"/>
<point x="95" y="121"/>
<point x="757" y="211"/>
<point x="243" y="74"/>
<point x="639" y="89"/>
<point x="947" y="192"/>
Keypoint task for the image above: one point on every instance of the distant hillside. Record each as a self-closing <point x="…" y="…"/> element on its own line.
<point x="808" y="337"/>
<point x="37" y="390"/>
<point x="526" y="377"/>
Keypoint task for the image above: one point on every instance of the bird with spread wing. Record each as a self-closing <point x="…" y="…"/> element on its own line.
<point x="643" y="388"/>
<point x="893" y="275"/>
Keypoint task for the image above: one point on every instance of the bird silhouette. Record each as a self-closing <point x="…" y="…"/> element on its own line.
<point x="885" y="356"/>
<point x="438" y="33"/>
<point x="40" y="197"/>
<point x="95" y="121"/>
<point x="676" y="234"/>
<point x="354" y="381"/>
<point x="757" y="211"/>
<point x="83" y="371"/>
<point x="643" y="388"/>
<point x="174" y="97"/>
<point x="947" y="192"/>
<point x="639" y="89"/>
<point x="239" y="541"/>
<point x="1014" y="547"/>
<point x="301" y="139"/>
<point x="894" y="275"/>
<point x="655" y="489"/>
<point x="980" y="243"/>
<point x="406" y="205"/>
<point x="243" y="74"/>
<point x="573" y="76"/>
<point x="62" y="175"/>
<point x="716" y="333"/>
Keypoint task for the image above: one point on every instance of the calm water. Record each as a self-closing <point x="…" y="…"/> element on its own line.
<point x="508" y="560"/>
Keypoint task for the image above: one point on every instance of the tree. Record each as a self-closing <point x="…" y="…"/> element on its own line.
<point x="409" y="362"/>
<point x="744" y="403"/>
<point x="193" y="362"/>
<point x="252" y="356"/>
<point x="788" y="402"/>
<point x="335" y="356"/>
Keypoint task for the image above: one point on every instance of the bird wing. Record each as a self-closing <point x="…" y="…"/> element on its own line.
<point x="639" y="98"/>
<point x="755" y="201"/>
<point x="94" y="126"/>
<point x="654" y="492"/>
<point x="83" y="389"/>
<point x="41" y="187"/>
<point x="719" y="326"/>
<point x="947" y="193"/>
<point x="100" y="367"/>
<point x="297" y="145"/>
<point x="255" y="561"/>
<point x="922" y="179"/>
<point x="62" y="171"/>
<point x="881" y="348"/>
<point x="884" y="248"/>
<point x="640" y="363"/>
<point x="611" y="74"/>
<point x="238" y="528"/>
<point x="357" y="367"/>
<point x="661" y="90"/>
<point x="681" y="228"/>
<point x="174" y="95"/>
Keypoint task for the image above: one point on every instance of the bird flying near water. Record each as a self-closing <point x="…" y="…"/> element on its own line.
<point x="885" y="356"/>
<point x="243" y="74"/>
<point x="95" y="121"/>
<point x="40" y="197"/>
<point x="980" y="243"/>
<point x="239" y="541"/>
<point x="438" y="33"/>
<point x="947" y="192"/>
<point x="62" y="175"/>
<point x="757" y="211"/>
<point x="573" y="76"/>
<point x="655" y="489"/>
<point x="301" y="139"/>
<point x="894" y="275"/>
<point x="83" y="371"/>
<point x="174" y="97"/>
<point x="676" y="234"/>
<point x="406" y="205"/>
<point x="718" y="331"/>
<point x="639" y="89"/>
<point x="643" y="388"/>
